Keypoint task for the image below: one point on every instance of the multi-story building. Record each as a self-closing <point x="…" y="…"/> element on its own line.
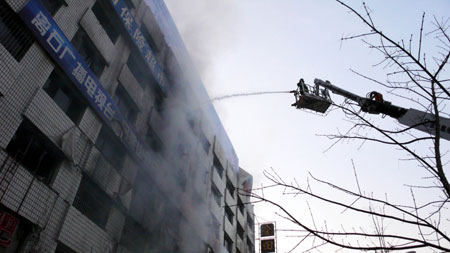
<point x="108" y="140"/>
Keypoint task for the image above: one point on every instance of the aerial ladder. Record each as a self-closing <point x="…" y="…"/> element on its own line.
<point x="317" y="98"/>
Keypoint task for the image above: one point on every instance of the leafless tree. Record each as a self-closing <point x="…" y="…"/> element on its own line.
<point x="419" y="79"/>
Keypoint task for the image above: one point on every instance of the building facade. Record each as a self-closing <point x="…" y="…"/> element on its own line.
<point x="108" y="139"/>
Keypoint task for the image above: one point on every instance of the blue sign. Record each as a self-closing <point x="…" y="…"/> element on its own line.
<point x="141" y="43"/>
<point x="64" y="54"/>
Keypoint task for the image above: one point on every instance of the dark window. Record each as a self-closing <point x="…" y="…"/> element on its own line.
<point x="250" y="245"/>
<point x="127" y="107"/>
<point x="89" y="52"/>
<point x="149" y="38"/>
<point x="110" y="23"/>
<point x="229" y="214"/>
<point x="218" y="166"/>
<point x="230" y="187"/>
<point x="205" y="143"/>
<point x="31" y="148"/>
<point x="59" y="87"/>
<point x="227" y="242"/>
<point x="250" y="221"/>
<point x="134" y="236"/>
<point x="129" y="4"/>
<point x="192" y="121"/>
<point x="52" y="6"/>
<point x="14" y="35"/>
<point x="216" y="193"/>
<point x="159" y="100"/>
<point x="61" y="248"/>
<point x="111" y="148"/>
<point x="153" y="140"/>
<point x="93" y="202"/>
<point x="240" y="231"/>
<point x="140" y="70"/>
<point x="240" y="206"/>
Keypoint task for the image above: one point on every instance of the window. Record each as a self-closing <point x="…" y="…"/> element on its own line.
<point x="110" y="23"/>
<point x="31" y="148"/>
<point x="110" y="147"/>
<point x="240" y="231"/>
<point x="205" y="143"/>
<point x="230" y="187"/>
<point x="192" y="120"/>
<point x="61" y="248"/>
<point x="14" y="35"/>
<point x="228" y="243"/>
<point x="218" y="166"/>
<point x="159" y="100"/>
<point x="240" y="205"/>
<point x="89" y="52"/>
<point x="59" y="87"/>
<point x="52" y="6"/>
<point x="127" y="107"/>
<point x="153" y="140"/>
<point x="139" y="69"/>
<point x="250" y="245"/>
<point x="250" y="221"/>
<point x="229" y="214"/>
<point x="149" y="39"/>
<point x="134" y="236"/>
<point x="129" y="4"/>
<point x="216" y="193"/>
<point x="93" y="202"/>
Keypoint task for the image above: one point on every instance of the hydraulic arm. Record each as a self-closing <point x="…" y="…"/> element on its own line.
<point x="316" y="99"/>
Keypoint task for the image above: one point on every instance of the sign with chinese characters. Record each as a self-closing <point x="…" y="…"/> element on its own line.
<point x="8" y="225"/>
<point x="267" y="230"/>
<point x="64" y="54"/>
<point x="268" y="245"/>
<point x="141" y="43"/>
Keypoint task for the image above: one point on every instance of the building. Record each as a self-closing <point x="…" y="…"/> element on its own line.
<point x="108" y="140"/>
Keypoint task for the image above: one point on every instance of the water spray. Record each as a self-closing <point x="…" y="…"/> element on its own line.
<point x="247" y="94"/>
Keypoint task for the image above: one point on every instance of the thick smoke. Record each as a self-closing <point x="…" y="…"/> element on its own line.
<point x="208" y="29"/>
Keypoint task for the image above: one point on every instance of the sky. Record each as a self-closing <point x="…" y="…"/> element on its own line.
<point x="267" y="45"/>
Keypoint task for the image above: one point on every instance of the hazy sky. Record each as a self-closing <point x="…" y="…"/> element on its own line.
<point x="267" y="45"/>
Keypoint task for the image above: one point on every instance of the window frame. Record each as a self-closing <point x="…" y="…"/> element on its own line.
<point x="89" y="52"/>
<point x="227" y="242"/>
<point x="229" y="214"/>
<point x="108" y="140"/>
<point x="14" y="32"/>
<point x="37" y="145"/>
<point x="65" y="86"/>
<point x="218" y="166"/>
<point x="93" y="195"/>
<point x="110" y="23"/>
<point x="230" y="187"/>
<point x="121" y="97"/>
<point x="216" y="193"/>
<point x="50" y="5"/>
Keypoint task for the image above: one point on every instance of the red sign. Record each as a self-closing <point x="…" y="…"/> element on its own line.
<point x="8" y="225"/>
